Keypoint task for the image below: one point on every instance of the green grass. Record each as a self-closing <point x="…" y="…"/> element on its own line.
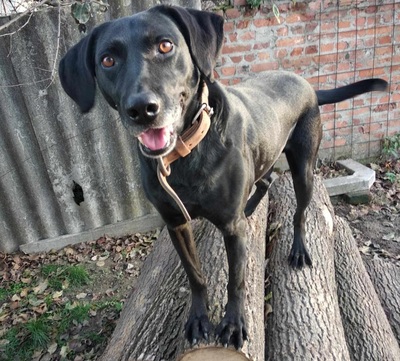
<point x="24" y="339"/>
<point x="21" y="340"/>
<point x="72" y="313"/>
<point x="12" y="289"/>
<point x="61" y="276"/>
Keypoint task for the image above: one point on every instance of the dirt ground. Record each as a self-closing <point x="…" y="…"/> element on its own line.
<point x="376" y="225"/>
<point x="114" y="264"/>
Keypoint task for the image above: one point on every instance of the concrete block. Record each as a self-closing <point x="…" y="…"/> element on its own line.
<point x="359" y="181"/>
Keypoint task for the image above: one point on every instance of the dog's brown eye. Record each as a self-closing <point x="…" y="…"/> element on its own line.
<point x="108" y="62"/>
<point x="165" y="47"/>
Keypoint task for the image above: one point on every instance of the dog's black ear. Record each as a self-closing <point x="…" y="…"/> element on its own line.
<point x="76" y="72"/>
<point x="203" y="32"/>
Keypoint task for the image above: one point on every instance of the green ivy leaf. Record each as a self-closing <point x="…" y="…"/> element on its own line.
<point x="81" y="12"/>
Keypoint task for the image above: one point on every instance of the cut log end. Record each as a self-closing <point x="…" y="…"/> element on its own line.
<point x="213" y="353"/>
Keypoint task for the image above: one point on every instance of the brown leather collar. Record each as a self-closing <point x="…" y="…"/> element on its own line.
<point x="192" y="136"/>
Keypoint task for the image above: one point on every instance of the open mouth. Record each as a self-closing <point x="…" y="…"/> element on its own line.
<point x="155" y="142"/>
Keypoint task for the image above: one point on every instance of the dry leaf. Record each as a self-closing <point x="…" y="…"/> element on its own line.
<point x="80" y="296"/>
<point x="52" y="348"/>
<point x="38" y="290"/>
<point x="57" y="294"/>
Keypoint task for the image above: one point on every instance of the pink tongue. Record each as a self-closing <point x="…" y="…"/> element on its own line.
<point x="156" y="139"/>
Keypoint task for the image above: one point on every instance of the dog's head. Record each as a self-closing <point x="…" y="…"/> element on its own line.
<point x="148" y="67"/>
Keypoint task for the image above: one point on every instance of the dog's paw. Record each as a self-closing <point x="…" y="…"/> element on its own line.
<point x="232" y="331"/>
<point x="299" y="258"/>
<point x="197" y="329"/>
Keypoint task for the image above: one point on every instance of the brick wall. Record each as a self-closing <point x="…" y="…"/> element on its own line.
<point x="330" y="43"/>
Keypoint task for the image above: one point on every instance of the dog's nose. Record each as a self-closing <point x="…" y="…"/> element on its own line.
<point x="143" y="107"/>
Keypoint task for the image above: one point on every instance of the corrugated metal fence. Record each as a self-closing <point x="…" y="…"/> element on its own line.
<point x="47" y="147"/>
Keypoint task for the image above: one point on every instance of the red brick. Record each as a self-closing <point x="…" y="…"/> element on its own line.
<point x="249" y="35"/>
<point x="256" y="68"/>
<point x="361" y="22"/>
<point x="242" y="24"/>
<point x="366" y="73"/>
<point x="327" y="48"/>
<point x="297" y="29"/>
<point x="299" y="17"/>
<point x="232" y="37"/>
<point x="260" y="23"/>
<point x="232" y="13"/>
<point x="311" y="27"/>
<point x="344" y="24"/>
<point x="343" y="105"/>
<point x="328" y="58"/>
<point x="230" y="49"/>
<point x="260" y="46"/>
<point x="328" y="26"/>
<point x="228" y="71"/>
<point x="280" y="53"/>
<point x="344" y="67"/>
<point x="263" y="56"/>
<point x="229" y="26"/>
<point x="339" y="142"/>
<point x="249" y="58"/>
<point x="289" y="42"/>
<point x="282" y="31"/>
<point x="236" y="81"/>
<point x="236" y="59"/>
<point x="358" y="102"/>
<point x="313" y="49"/>
<point x="385" y="40"/>
<point x="371" y="9"/>
<point x="296" y="52"/>
<point x="342" y="45"/>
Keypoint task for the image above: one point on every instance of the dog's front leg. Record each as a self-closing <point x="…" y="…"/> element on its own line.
<point x="232" y="329"/>
<point x="198" y="325"/>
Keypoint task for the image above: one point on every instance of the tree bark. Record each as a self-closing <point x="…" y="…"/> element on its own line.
<point x="329" y="312"/>
<point x="368" y="333"/>
<point x="152" y="322"/>
<point x="305" y="323"/>
<point x="386" y="278"/>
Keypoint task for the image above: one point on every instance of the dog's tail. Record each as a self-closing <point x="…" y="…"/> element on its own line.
<point x="350" y="91"/>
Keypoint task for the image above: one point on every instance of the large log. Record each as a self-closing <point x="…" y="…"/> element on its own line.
<point x="152" y="322"/>
<point x="329" y="312"/>
<point x="385" y="276"/>
<point x="368" y="332"/>
<point x="305" y="323"/>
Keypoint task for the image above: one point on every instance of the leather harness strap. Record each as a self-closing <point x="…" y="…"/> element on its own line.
<point x="189" y="139"/>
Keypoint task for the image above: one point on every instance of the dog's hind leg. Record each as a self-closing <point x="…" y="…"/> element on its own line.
<point x="262" y="187"/>
<point x="198" y="325"/>
<point x="301" y="152"/>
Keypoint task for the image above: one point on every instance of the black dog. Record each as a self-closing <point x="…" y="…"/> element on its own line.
<point x="154" y="68"/>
